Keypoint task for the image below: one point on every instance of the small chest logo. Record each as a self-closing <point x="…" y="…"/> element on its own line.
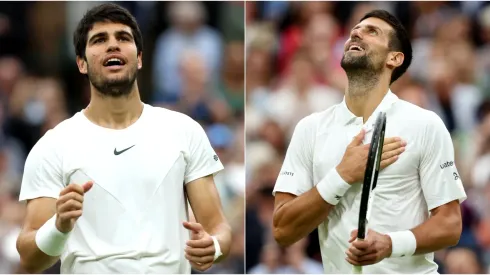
<point x="116" y="152"/>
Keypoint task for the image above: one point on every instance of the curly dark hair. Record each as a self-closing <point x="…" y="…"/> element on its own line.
<point x="105" y="13"/>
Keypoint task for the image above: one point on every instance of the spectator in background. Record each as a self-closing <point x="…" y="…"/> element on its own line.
<point x="230" y="87"/>
<point x="415" y="94"/>
<point x="196" y="96"/>
<point x="270" y="260"/>
<point x="187" y="31"/>
<point x="463" y="261"/>
<point x="292" y="260"/>
<point x="13" y="28"/>
<point x="300" y="95"/>
<point x="483" y="54"/>
<point x="319" y="37"/>
<point x="292" y="37"/>
<point x="11" y="218"/>
<point x="36" y="105"/>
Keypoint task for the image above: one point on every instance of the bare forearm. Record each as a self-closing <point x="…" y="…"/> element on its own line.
<point x="299" y="217"/>
<point x="222" y="232"/>
<point x="437" y="233"/>
<point x="32" y="259"/>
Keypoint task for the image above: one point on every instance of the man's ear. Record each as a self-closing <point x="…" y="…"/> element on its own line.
<point x="82" y="65"/>
<point x="140" y="60"/>
<point x="395" y="59"/>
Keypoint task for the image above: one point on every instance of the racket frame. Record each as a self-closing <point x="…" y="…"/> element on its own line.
<point x="370" y="180"/>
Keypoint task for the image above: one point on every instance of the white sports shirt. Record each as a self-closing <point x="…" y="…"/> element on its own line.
<point x="423" y="178"/>
<point x="132" y="217"/>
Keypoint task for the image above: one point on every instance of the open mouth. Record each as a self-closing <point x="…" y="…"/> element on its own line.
<point x="355" y="48"/>
<point x="114" y="62"/>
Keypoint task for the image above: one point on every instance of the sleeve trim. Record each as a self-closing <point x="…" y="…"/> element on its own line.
<point x="203" y="173"/>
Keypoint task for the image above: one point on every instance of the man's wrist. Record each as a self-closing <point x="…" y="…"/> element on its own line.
<point x="403" y="244"/>
<point x="345" y="176"/>
<point x="390" y="245"/>
<point x="217" y="248"/>
<point x="50" y="240"/>
<point x="332" y="187"/>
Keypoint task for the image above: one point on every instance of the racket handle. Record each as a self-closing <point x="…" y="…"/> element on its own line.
<point x="356" y="269"/>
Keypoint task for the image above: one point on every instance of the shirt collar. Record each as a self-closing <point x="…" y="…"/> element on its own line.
<point x="346" y="116"/>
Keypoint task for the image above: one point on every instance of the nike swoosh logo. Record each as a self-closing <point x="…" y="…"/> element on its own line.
<point x="122" y="151"/>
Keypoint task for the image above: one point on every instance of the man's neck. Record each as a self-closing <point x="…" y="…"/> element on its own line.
<point x="112" y="112"/>
<point x="363" y="95"/>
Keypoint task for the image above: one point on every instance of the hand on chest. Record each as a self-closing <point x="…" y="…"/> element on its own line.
<point x="330" y="148"/>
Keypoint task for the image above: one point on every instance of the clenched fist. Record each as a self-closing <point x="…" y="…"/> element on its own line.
<point x="200" y="248"/>
<point x="373" y="249"/>
<point x="353" y="165"/>
<point x="69" y="206"/>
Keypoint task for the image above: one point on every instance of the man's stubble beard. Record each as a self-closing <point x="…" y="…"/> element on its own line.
<point x="113" y="87"/>
<point x="362" y="73"/>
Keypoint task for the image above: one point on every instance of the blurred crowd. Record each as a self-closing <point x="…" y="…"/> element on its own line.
<point x="193" y="62"/>
<point x="293" y="69"/>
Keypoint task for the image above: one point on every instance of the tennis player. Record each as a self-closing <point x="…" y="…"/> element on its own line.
<point x="416" y="209"/>
<point x="107" y="190"/>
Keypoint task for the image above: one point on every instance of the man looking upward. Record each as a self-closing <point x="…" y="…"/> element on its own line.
<point x="416" y="208"/>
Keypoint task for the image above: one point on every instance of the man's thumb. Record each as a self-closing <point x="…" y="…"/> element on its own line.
<point x="193" y="226"/>
<point x="87" y="186"/>
<point x="358" y="139"/>
<point x="353" y="235"/>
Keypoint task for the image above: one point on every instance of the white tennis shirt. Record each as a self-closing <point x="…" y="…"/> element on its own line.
<point x="423" y="178"/>
<point x="132" y="217"/>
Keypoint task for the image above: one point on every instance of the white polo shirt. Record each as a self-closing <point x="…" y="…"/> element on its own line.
<point x="132" y="216"/>
<point x="423" y="178"/>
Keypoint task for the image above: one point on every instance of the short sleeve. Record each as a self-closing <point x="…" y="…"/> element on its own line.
<point x="42" y="171"/>
<point x="441" y="182"/>
<point x="296" y="173"/>
<point x="201" y="158"/>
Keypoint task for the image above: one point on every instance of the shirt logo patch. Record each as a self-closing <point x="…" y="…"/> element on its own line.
<point x="286" y="173"/>
<point x="456" y="176"/>
<point x="116" y="152"/>
<point x="446" y="164"/>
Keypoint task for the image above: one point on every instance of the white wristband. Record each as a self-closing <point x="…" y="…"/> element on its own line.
<point x="217" y="248"/>
<point x="403" y="243"/>
<point x="50" y="240"/>
<point x="332" y="187"/>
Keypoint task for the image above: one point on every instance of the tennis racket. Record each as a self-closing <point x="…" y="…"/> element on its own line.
<point x="370" y="179"/>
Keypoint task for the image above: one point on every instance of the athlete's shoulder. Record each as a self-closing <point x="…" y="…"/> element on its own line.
<point x="170" y="117"/>
<point x="418" y="120"/>
<point x="74" y="122"/>
<point x="316" y="123"/>
<point x="322" y="117"/>
<point x="309" y="122"/>
<point x="62" y="131"/>
<point x="323" y="121"/>
<point x="417" y="114"/>
<point x="51" y="142"/>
